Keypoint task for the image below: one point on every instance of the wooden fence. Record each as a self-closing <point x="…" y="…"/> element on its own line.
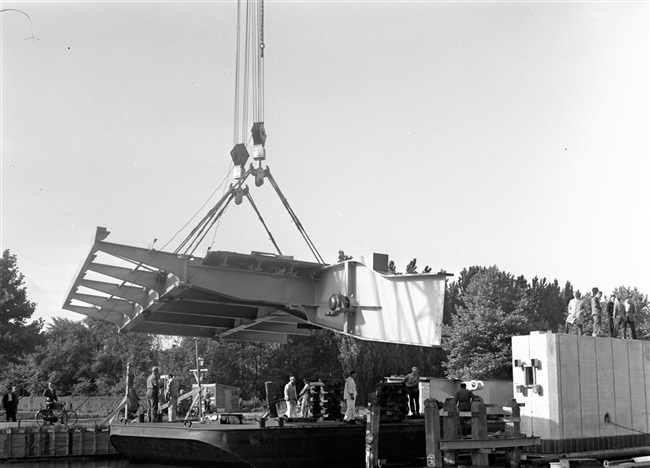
<point x="445" y="440"/>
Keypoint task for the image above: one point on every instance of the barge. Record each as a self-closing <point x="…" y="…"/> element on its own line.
<point x="288" y="444"/>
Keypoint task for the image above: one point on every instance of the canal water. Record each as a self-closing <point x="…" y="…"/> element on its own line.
<point x="85" y="463"/>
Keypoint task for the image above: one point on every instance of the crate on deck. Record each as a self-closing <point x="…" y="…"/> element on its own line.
<point x="393" y="401"/>
<point x="331" y="400"/>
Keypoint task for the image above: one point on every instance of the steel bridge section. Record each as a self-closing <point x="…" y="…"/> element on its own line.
<point x="256" y="297"/>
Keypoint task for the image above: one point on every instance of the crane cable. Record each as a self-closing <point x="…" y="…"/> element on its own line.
<point x="252" y="82"/>
<point x="200" y="230"/>
<point x="295" y="219"/>
<point x="236" y="138"/>
<point x="259" y="215"/>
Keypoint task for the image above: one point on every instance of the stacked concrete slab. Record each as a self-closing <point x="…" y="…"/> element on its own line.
<point x="583" y="393"/>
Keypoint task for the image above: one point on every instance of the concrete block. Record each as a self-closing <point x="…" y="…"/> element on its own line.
<point x="639" y="395"/>
<point x="646" y="367"/>
<point x="569" y="397"/>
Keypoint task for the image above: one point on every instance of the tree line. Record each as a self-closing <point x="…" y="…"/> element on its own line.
<point x="484" y="307"/>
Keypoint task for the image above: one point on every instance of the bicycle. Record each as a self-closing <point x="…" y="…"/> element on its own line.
<point x="64" y="416"/>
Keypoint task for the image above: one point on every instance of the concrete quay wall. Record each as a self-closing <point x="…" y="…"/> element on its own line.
<point x="583" y="393"/>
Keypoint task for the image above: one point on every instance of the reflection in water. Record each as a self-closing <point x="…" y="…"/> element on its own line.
<point x="88" y="463"/>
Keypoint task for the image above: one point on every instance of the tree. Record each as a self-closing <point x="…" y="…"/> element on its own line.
<point x="492" y="307"/>
<point x="548" y="300"/>
<point x="18" y="338"/>
<point x="88" y="357"/>
<point x="373" y="361"/>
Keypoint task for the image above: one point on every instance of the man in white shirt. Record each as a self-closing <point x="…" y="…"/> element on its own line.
<point x="350" y="396"/>
<point x="629" y="318"/>
<point x="291" y="397"/>
<point x="172" y="397"/>
<point x="575" y="313"/>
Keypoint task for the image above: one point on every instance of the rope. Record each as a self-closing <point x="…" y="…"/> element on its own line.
<point x="197" y="212"/>
<point x="608" y="420"/>
<point x="214" y="211"/>
<point x="31" y="31"/>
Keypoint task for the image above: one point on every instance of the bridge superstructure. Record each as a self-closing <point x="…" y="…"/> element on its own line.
<point x="255" y="297"/>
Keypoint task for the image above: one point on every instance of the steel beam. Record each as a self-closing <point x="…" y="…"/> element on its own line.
<point x="258" y="296"/>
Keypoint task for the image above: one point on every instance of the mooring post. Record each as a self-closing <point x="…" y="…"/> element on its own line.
<point x="450" y="429"/>
<point x="513" y="429"/>
<point x="432" y="431"/>
<point x="372" y="432"/>
<point x="479" y="432"/>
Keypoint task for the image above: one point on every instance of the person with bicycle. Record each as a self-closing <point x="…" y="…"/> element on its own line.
<point x="50" y="396"/>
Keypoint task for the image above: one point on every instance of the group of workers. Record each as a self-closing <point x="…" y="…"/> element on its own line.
<point x="299" y="403"/>
<point x="158" y="390"/>
<point x="620" y="314"/>
<point x="161" y="390"/>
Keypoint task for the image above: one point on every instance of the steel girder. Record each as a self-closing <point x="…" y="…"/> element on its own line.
<point x="256" y="297"/>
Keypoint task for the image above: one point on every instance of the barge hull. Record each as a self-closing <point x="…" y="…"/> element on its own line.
<point x="297" y="446"/>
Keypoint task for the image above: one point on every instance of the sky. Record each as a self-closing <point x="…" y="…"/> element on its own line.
<point x="513" y="134"/>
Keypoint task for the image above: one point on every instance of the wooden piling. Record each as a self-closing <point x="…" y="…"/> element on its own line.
<point x="450" y="429"/>
<point x="432" y="431"/>
<point x="479" y="432"/>
<point x="56" y="441"/>
<point x="513" y="430"/>
<point x="372" y="432"/>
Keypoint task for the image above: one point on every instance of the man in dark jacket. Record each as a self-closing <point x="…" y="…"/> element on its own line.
<point x="412" y="382"/>
<point x="630" y="312"/>
<point x="10" y="403"/>
<point x="610" y="316"/>
<point x="464" y="398"/>
<point x="153" y="389"/>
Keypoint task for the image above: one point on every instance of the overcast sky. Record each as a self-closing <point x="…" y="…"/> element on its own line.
<point x="460" y="133"/>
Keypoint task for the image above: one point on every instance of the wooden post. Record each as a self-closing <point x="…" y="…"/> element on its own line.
<point x="128" y="384"/>
<point x="450" y="429"/>
<point x="432" y="431"/>
<point x="479" y="432"/>
<point x="372" y="432"/>
<point x="272" y="393"/>
<point x="513" y="429"/>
